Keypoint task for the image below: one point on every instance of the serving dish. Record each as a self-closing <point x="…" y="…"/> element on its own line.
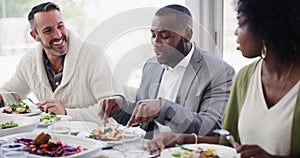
<point x="91" y="146"/>
<point x="33" y="108"/>
<point x="25" y="124"/>
<point x="50" y="119"/>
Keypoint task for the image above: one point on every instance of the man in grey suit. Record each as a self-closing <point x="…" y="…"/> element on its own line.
<point x="183" y="90"/>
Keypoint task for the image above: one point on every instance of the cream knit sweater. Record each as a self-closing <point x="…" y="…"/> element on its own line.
<point x="86" y="79"/>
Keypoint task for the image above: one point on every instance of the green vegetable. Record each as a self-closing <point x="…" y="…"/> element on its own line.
<point x="176" y="154"/>
<point x="9" y="125"/>
<point x="49" y="118"/>
<point x="22" y="104"/>
<point x="186" y="149"/>
<point x="107" y="130"/>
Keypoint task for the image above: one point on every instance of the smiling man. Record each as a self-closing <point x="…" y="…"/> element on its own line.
<point x="67" y="75"/>
<point x="184" y="89"/>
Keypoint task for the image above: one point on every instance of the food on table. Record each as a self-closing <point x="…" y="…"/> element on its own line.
<point x="42" y="145"/>
<point x="21" y="108"/>
<point x="49" y="118"/>
<point x="8" y="125"/>
<point x="198" y="153"/>
<point x="42" y="139"/>
<point x="99" y="156"/>
<point x="108" y="134"/>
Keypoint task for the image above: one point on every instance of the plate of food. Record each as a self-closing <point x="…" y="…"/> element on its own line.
<point x="199" y="150"/>
<point x="41" y="145"/>
<point x="21" y="108"/>
<point x="48" y="119"/>
<point x="11" y="124"/>
<point x="114" y="134"/>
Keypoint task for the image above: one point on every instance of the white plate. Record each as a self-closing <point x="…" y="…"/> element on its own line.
<point x="131" y="129"/>
<point x="26" y="124"/>
<point x="62" y="117"/>
<point x="79" y="126"/>
<point x="222" y="151"/>
<point x="92" y="146"/>
<point x="33" y="108"/>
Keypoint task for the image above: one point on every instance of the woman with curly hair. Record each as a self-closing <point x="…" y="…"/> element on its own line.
<point x="263" y="112"/>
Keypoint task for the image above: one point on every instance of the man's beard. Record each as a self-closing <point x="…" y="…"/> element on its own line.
<point x="52" y="51"/>
<point x="181" y="47"/>
<point x="179" y="53"/>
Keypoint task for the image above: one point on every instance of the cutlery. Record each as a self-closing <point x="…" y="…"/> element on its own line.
<point x="7" y="93"/>
<point x="107" y="148"/>
<point x="16" y="96"/>
<point x="104" y="126"/>
<point x="154" y="156"/>
<point x="13" y="94"/>
<point x="29" y="100"/>
<point x="227" y="135"/>
<point x="74" y="133"/>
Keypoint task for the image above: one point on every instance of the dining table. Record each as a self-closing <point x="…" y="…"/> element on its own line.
<point x="78" y="136"/>
<point x="108" y="150"/>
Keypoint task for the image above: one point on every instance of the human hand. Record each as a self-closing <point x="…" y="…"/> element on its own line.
<point x="145" y="111"/>
<point x="164" y="140"/>
<point x="110" y="106"/>
<point x="52" y="106"/>
<point x="248" y="151"/>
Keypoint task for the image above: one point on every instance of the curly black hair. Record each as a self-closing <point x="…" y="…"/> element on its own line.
<point x="275" y="21"/>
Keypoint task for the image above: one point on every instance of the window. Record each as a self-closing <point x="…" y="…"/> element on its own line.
<point x="230" y="53"/>
<point x="107" y="24"/>
<point x="83" y="18"/>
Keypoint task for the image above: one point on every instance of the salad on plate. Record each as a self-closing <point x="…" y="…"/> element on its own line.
<point x="201" y="150"/>
<point x="48" y="119"/>
<point x="195" y="153"/>
<point x="9" y="124"/>
<point x="21" y="108"/>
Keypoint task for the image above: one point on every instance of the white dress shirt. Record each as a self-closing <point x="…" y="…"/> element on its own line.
<point x="170" y="82"/>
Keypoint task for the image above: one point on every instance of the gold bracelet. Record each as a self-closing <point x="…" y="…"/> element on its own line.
<point x="196" y="138"/>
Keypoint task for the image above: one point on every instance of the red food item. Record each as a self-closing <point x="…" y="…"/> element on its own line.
<point x="50" y="149"/>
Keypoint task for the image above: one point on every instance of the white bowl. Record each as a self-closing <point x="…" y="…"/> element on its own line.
<point x="26" y="124"/>
<point x="77" y="126"/>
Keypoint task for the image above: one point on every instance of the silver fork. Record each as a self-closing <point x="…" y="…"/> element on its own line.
<point x="29" y="100"/>
<point x="227" y="135"/>
<point x="16" y="96"/>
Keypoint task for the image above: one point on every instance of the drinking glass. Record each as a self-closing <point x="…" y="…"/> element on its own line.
<point x="11" y="149"/>
<point x="61" y="127"/>
<point x="133" y="142"/>
<point x="15" y="154"/>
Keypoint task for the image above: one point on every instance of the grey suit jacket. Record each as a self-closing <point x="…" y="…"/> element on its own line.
<point x="201" y="98"/>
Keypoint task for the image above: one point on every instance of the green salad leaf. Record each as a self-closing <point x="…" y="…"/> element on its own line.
<point x="9" y="125"/>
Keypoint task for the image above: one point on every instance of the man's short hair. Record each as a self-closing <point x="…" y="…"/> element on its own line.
<point x="43" y="7"/>
<point x="182" y="13"/>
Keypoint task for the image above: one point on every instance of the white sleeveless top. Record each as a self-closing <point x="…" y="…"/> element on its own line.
<point x="268" y="128"/>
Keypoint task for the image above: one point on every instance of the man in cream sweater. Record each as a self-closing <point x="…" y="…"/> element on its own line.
<point x="67" y="75"/>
